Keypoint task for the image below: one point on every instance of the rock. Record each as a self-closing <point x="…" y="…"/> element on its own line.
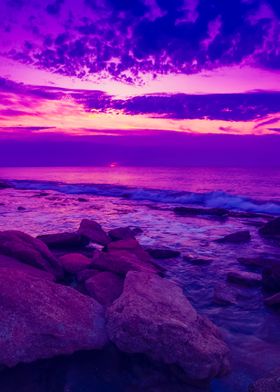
<point x="271" y="228"/>
<point x="239" y="236"/>
<point x="223" y="296"/>
<point x="64" y="240"/>
<point x="274" y="300"/>
<point x="244" y="278"/>
<point x="29" y="250"/>
<point x="121" y="261"/>
<point x="20" y="208"/>
<point x="87" y="273"/>
<point x="121" y="233"/>
<point x="197" y="260"/>
<point x="185" y="211"/>
<point x="82" y="200"/>
<point x="163" y="253"/>
<point x="13" y="264"/>
<point x="271" y="278"/>
<point x="252" y="261"/>
<point x="42" y="319"/>
<point x="105" y="287"/>
<point x="5" y="184"/>
<point x="74" y="262"/>
<point x="152" y="316"/>
<point x="269" y="384"/>
<point x="93" y="232"/>
<point x="131" y="246"/>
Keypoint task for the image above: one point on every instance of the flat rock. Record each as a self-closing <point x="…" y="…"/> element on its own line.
<point x="152" y="316"/>
<point x="29" y="250"/>
<point x="93" y="232"/>
<point x="162" y="253"/>
<point x="42" y="319"/>
<point x="121" y="233"/>
<point x="271" y="228"/>
<point x="105" y="287"/>
<point x="64" y="240"/>
<point x="189" y="211"/>
<point x="238" y="237"/>
<point x="271" y="383"/>
<point x="274" y="300"/>
<point x="74" y="262"/>
<point x="244" y="278"/>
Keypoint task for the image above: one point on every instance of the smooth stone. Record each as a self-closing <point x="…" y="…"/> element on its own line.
<point x="244" y="278"/>
<point x="271" y="383"/>
<point x="105" y="287"/>
<point x="74" y="262"/>
<point x="271" y="228"/>
<point x="239" y="236"/>
<point x="64" y="240"/>
<point x="93" y="232"/>
<point x="29" y="250"/>
<point x="121" y="233"/>
<point x="274" y="300"/>
<point x="152" y="316"/>
<point x="185" y="211"/>
<point x="41" y="319"/>
<point x="161" y="253"/>
<point x="223" y="296"/>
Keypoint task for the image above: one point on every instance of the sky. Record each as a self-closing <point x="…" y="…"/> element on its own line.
<point x="139" y="81"/>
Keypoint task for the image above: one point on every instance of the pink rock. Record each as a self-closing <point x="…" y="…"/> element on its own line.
<point x="121" y="261"/>
<point x="29" y="250"/>
<point x="105" y="287"/>
<point x="42" y="319"/>
<point x="86" y="274"/>
<point x="132" y="246"/>
<point x="93" y="232"/>
<point x="153" y="316"/>
<point x="121" y="233"/>
<point x="245" y="278"/>
<point x="74" y="262"/>
<point x="64" y="240"/>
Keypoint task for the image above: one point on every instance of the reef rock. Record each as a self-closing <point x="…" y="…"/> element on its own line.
<point x="93" y="232"/>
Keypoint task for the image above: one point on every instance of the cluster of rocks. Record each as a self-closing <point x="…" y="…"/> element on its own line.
<point x="59" y="296"/>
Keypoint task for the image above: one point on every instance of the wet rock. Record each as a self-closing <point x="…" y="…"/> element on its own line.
<point x="5" y="184"/>
<point x="188" y="211"/>
<point x="271" y="278"/>
<point x="74" y="262"/>
<point x="152" y="316"/>
<point x="244" y="278"/>
<point x="64" y="240"/>
<point x="105" y="287"/>
<point x="121" y="233"/>
<point x="29" y="250"/>
<point x="130" y="245"/>
<point x="224" y="296"/>
<point x="274" y="300"/>
<point x="20" y="208"/>
<point x="82" y="200"/>
<point x="42" y="319"/>
<point x="93" y="232"/>
<point x="271" y="228"/>
<point x="161" y="253"/>
<point x="197" y="260"/>
<point x="271" y="383"/>
<point x="238" y="237"/>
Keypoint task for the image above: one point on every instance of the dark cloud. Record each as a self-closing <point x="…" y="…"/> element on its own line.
<point x="125" y="38"/>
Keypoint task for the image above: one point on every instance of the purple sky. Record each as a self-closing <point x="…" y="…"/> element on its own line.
<point x="130" y="77"/>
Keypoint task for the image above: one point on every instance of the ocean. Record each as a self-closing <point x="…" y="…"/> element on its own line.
<point x="49" y="200"/>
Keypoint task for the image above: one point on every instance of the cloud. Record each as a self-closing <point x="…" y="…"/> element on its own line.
<point x="124" y="39"/>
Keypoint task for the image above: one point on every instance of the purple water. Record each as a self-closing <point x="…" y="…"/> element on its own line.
<point x="146" y="197"/>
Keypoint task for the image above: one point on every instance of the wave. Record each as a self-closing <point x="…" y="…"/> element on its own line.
<point x="219" y="199"/>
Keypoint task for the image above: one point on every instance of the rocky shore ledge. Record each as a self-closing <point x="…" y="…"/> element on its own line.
<point x="59" y="293"/>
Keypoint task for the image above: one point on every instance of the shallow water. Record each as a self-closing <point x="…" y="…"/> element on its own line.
<point x="251" y="330"/>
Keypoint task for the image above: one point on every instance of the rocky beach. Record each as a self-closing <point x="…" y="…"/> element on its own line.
<point x="121" y="311"/>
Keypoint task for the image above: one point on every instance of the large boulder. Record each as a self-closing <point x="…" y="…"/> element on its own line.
<point x="29" y="250"/>
<point x="64" y="240"/>
<point x="271" y="228"/>
<point x="105" y="287"/>
<point x="74" y="262"/>
<point x="93" y="232"/>
<point x="238" y="237"/>
<point x="121" y="233"/>
<point x="42" y="319"/>
<point x="271" y="383"/>
<point x="152" y="316"/>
